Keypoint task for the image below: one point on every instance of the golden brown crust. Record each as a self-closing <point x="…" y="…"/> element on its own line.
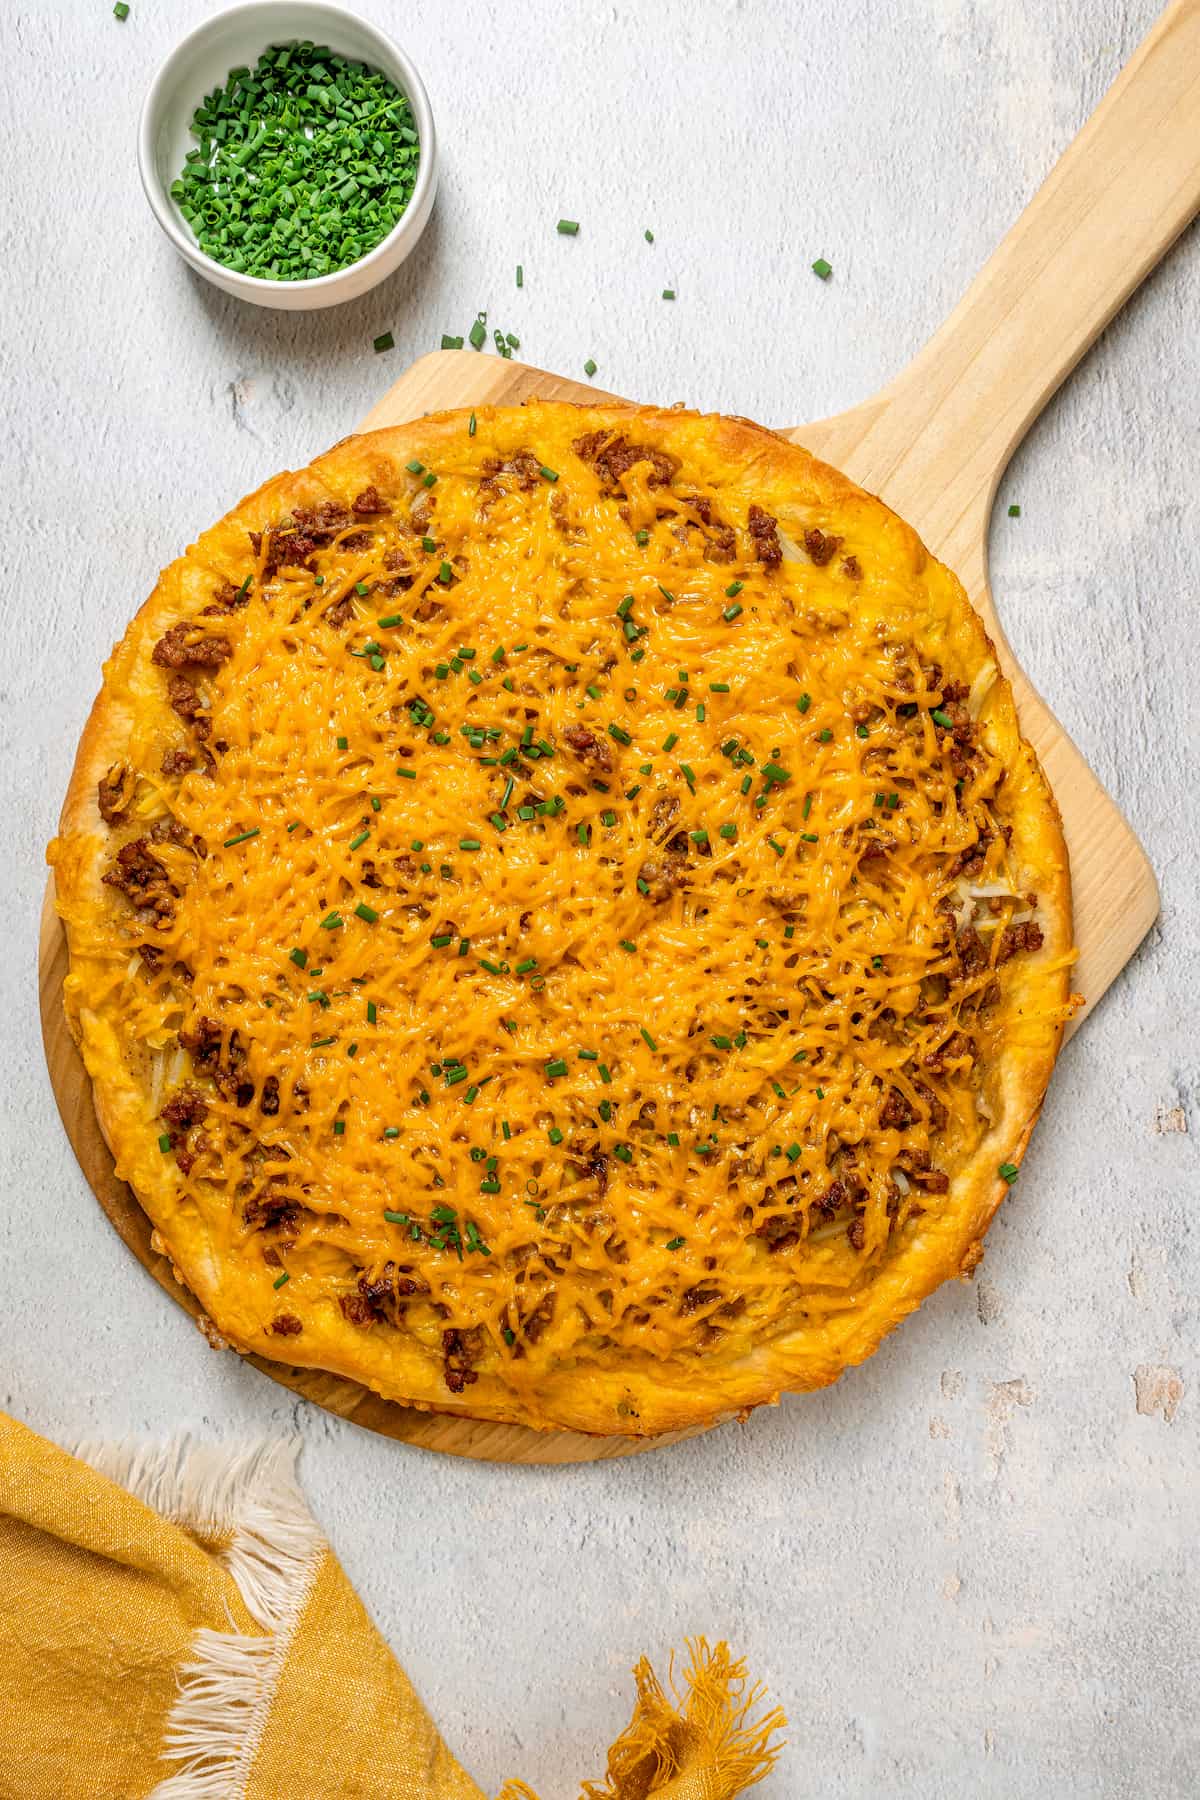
<point x="634" y="1398"/>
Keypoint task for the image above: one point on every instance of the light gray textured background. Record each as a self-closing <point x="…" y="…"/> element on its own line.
<point x="971" y="1568"/>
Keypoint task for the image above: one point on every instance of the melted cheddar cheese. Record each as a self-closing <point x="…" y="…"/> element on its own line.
<point x="584" y="899"/>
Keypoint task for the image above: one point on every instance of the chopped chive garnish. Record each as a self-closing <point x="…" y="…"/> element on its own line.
<point x="469" y="844"/>
<point x="1009" y="1171"/>
<point x="623" y="1152"/>
<point x="668" y="293"/>
<point x="548" y="474"/>
<point x="339" y="1127"/>
<point x="646" y="1035"/>
<point x="164" y="1142"/>
<point x="941" y="718"/>
<point x="299" y="957"/>
<point x="362" y="837"/>
<point x="406" y="774"/>
<point x="822" y="268"/>
<point x="567" y="227"/>
<point x="241" y="837"/>
<point x="556" y="1066"/>
<point x="121" y="9"/>
<point x="1014" y="512"/>
<point x="676" y="1243"/>
<point x="589" y="367"/>
<point x="331" y="922"/>
<point x="449" y="342"/>
<point x="281" y="1280"/>
<point x="385" y="341"/>
<point x="363" y="911"/>
<point x="520" y="275"/>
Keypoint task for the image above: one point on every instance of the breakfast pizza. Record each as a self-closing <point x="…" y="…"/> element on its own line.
<point x="564" y="926"/>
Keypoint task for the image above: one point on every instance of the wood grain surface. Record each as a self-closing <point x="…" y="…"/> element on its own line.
<point x="934" y="444"/>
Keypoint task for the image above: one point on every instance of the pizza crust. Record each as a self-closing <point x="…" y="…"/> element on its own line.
<point x="636" y="1397"/>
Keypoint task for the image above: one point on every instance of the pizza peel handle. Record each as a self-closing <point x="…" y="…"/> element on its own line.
<point x="936" y="441"/>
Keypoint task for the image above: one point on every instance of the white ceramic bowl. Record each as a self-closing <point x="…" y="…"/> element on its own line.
<point x="201" y="63"/>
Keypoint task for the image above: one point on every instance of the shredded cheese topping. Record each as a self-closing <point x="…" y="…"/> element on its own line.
<point x="594" y="901"/>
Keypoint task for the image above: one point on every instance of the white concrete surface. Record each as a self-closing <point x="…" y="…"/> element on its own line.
<point x="971" y="1568"/>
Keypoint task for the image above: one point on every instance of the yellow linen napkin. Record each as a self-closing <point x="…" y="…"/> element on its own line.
<point x="173" y="1624"/>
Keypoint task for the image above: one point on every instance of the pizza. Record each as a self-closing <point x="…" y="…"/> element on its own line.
<point x="564" y="926"/>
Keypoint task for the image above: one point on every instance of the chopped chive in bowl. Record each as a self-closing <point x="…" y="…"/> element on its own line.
<point x="300" y="166"/>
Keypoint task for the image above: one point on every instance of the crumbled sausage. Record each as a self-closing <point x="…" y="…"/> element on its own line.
<point x="1014" y="938"/>
<point x="141" y="877"/>
<point x="185" y="645"/>
<point x="459" y="1349"/>
<point x="368" y="502"/>
<point x="896" y="1113"/>
<point x="612" y="456"/>
<point x="286" y="1325"/>
<point x="115" y="792"/>
<point x="764" y="533"/>
<point x="203" y="1041"/>
<point x="186" y="1108"/>
<point x="589" y="746"/>
<point x="852" y="568"/>
<point x="226" y="599"/>
<point x="269" y="1102"/>
<point x="822" y="546"/>
<point x="177" y="762"/>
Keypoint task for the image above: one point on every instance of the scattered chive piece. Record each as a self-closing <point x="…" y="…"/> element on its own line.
<point x="331" y="922"/>
<point x="164" y="1142"/>
<point x="671" y="740"/>
<point x="676" y="1244"/>
<point x="339" y="1128"/>
<point x="668" y="293"/>
<point x="415" y="467"/>
<point x="445" y="574"/>
<point x="734" y="588"/>
<point x="646" y="1035"/>
<point x="405" y="775"/>
<point x="370" y="1012"/>
<point x="941" y="718"/>
<point x="567" y="227"/>
<point x="803" y="703"/>
<point x="390" y="620"/>
<point x="673" y="1139"/>
<point x="470" y="433"/>
<point x="360" y="839"/>
<point x="1014" y="512"/>
<point x="299" y="957"/>
<point x="624" y="1152"/>
<point x="1009" y="1171"/>
<point x="469" y="844"/>
<point x="825" y="735"/>
<point x="241" y="837"/>
<point x="548" y="474"/>
<point x="731" y="612"/>
<point x="395" y="1218"/>
<point x="429" y="478"/>
<point x="281" y="1280"/>
<point x="556" y="1066"/>
<point x="648" y="235"/>
<point x="520" y="275"/>
<point x="822" y="268"/>
<point x="343" y="743"/>
<point x="451" y="343"/>
<point x="384" y="342"/>
<point x="363" y="911"/>
<point x="478" y="334"/>
<point x="121" y="10"/>
<point x="589" y="367"/>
